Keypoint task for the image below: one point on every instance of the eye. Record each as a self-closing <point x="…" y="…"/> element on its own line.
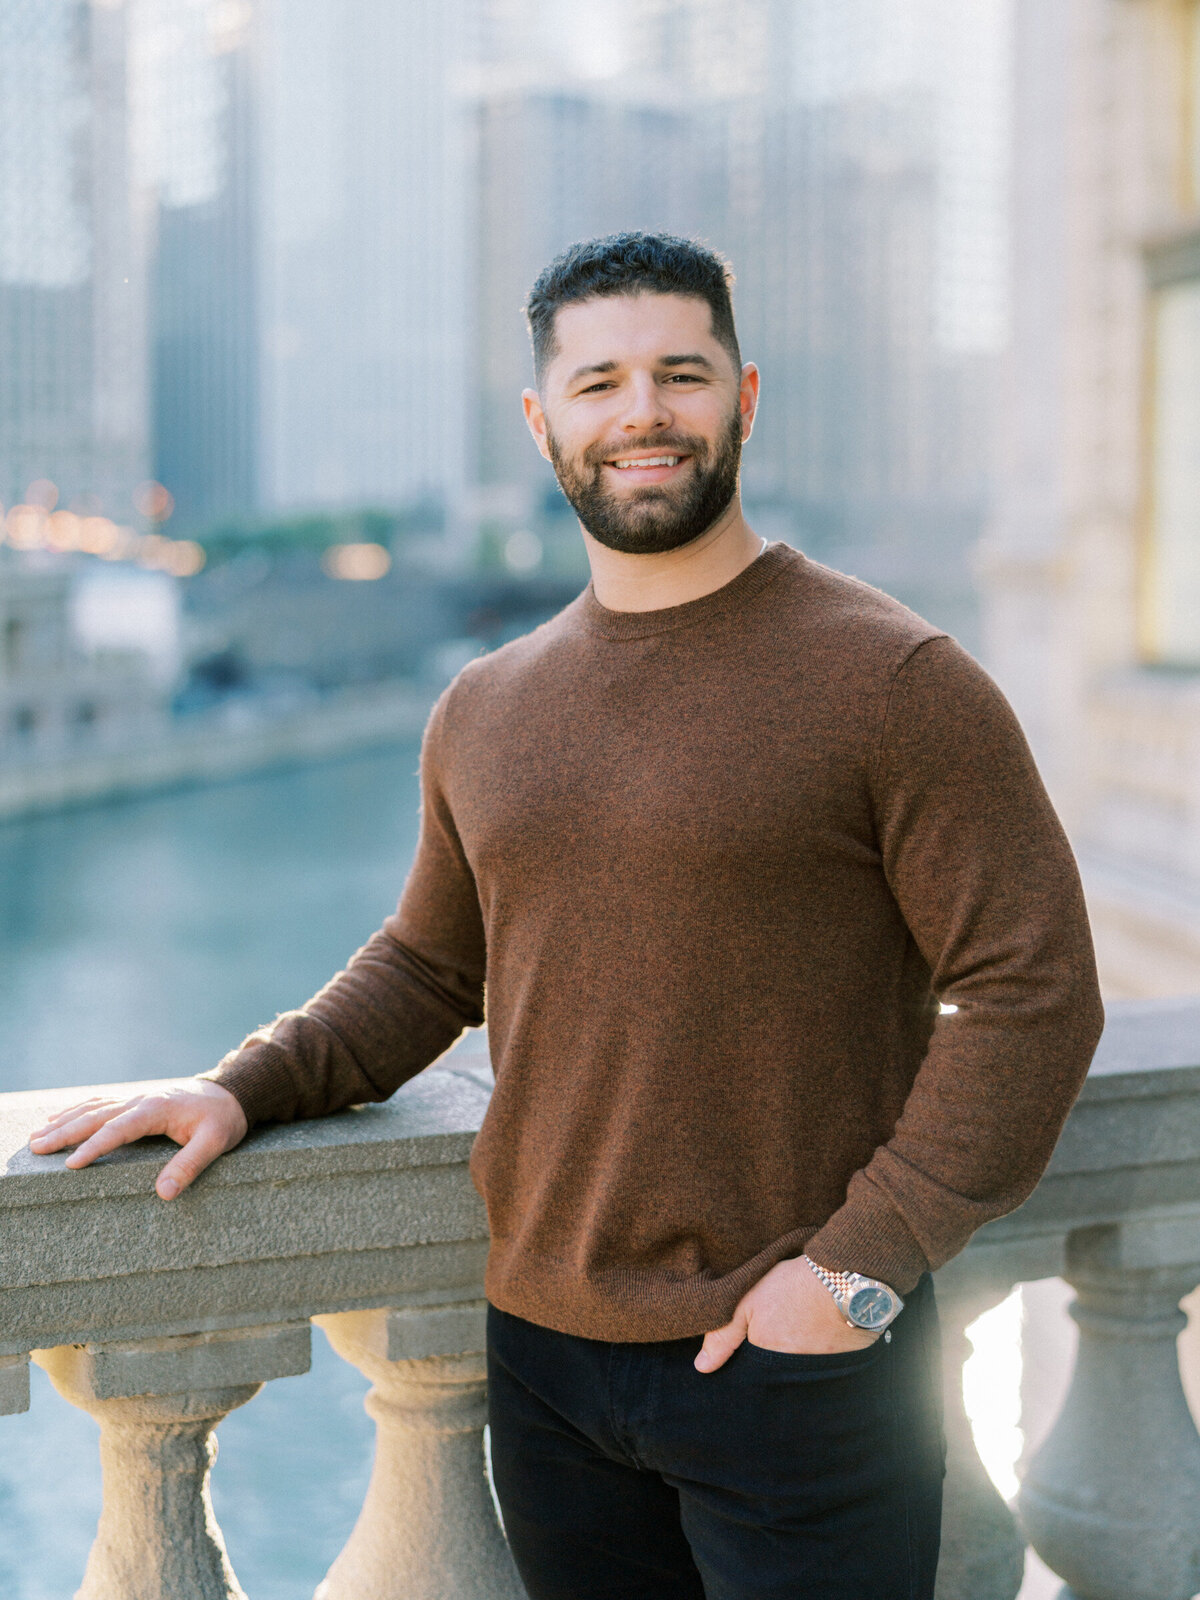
<point x="595" y="388"/>
<point x="685" y="377"/>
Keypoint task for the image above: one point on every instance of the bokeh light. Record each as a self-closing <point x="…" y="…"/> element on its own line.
<point x="356" y="562"/>
<point x="153" y="501"/>
<point x="24" y="527"/>
<point x="63" y="530"/>
<point x="98" y="536"/>
<point x="41" y="492"/>
<point x="523" y="551"/>
<point x="30" y="526"/>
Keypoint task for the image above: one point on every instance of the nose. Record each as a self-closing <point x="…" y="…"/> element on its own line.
<point x="647" y="408"/>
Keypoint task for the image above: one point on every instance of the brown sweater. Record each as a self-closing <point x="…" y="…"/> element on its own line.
<point x="718" y="864"/>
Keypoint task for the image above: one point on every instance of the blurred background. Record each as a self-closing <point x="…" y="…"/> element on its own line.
<point x="265" y="486"/>
<point x="261" y="276"/>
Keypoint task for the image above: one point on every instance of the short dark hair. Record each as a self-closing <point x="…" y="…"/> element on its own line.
<point x="630" y="263"/>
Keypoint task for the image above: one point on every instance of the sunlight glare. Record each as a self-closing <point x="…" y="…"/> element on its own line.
<point x="992" y="1391"/>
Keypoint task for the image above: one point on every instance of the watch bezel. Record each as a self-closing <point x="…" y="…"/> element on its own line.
<point x="872" y="1286"/>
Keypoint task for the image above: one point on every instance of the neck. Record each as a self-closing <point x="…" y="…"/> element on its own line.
<point x="649" y="583"/>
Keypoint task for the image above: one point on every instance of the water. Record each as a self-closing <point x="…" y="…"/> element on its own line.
<point x="144" y="940"/>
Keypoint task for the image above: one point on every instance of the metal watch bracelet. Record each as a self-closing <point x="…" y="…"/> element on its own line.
<point x="878" y="1304"/>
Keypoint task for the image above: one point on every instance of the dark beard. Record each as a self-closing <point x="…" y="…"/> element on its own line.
<point x="658" y="517"/>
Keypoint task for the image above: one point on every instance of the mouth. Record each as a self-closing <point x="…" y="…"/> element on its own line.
<point x="644" y="467"/>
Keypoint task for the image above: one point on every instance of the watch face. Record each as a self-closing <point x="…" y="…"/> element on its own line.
<point x="869" y="1308"/>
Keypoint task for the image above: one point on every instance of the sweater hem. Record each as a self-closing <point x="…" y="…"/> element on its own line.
<point x="625" y="1305"/>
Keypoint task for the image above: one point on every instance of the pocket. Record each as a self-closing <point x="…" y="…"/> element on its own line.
<point x="834" y="1363"/>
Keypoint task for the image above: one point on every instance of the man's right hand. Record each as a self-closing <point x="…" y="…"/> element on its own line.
<point x="197" y="1113"/>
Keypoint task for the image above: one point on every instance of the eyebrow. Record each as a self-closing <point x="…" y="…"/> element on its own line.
<point x="694" y="359"/>
<point x="600" y="366"/>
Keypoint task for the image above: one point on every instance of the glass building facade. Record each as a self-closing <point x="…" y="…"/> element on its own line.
<point x="73" y="397"/>
<point x="194" y="83"/>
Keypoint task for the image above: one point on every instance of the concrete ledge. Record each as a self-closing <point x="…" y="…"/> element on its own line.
<point x="410" y="1333"/>
<point x="195" y="1361"/>
<point x="14" y="1384"/>
<point x="431" y="1121"/>
<point x="456" y="1330"/>
<point x="373" y="1207"/>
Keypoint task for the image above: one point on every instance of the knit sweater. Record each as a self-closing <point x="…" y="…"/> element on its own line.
<point x="783" y="948"/>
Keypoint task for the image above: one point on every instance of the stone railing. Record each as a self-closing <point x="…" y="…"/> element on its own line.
<point x="1111" y="1501"/>
<point x="160" y="1320"/>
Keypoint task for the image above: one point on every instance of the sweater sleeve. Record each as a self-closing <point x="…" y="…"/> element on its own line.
<point x="402" y="999"/>
<point x="985" y="879"/>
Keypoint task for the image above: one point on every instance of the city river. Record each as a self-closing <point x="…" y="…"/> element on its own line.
<point x="144" y="940"/>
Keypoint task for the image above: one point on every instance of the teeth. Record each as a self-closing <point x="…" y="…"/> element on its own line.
<point x="648" y="461"/>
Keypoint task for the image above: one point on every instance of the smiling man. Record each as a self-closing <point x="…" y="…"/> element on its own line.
<point x="789" y="989"/>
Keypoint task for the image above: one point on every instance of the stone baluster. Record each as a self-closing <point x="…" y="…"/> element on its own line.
<point x="983" y="1553"/>
<point x="157" y="1402"/>
<point x="14" y="1384"/>
<point x="428" y="1528"/>
<point x="1111" y="1502"/>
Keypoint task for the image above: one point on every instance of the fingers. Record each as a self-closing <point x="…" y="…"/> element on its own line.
<point x="143" y="1118"/>
<point x="75" y="1110"/>
<point x="202" y="1118"/>
<point x="201" y="1150"/>
<point x="720" y="1344"/>
<point x="74" y="1125"/>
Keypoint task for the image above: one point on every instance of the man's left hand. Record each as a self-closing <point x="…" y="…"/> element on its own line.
<point x="788" y="1309"/>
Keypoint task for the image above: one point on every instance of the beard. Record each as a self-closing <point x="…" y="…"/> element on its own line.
<point x="658" y="517"/>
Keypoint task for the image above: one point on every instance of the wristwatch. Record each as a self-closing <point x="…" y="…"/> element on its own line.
<point x="864" y="1302"/>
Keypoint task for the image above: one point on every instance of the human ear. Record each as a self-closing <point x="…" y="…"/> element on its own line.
<point x="748" y="398"/>
<point x="535" y="419"/>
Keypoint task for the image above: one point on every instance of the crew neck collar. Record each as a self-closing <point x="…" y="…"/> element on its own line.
<point x="764" y="569"/>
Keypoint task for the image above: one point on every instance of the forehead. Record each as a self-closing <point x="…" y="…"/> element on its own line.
<point x="631" y="329"/>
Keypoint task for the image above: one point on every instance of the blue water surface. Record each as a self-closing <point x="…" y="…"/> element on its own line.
<point x="144" y="939"/>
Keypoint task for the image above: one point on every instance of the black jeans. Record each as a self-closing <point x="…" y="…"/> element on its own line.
<point x="625" y="1474"/>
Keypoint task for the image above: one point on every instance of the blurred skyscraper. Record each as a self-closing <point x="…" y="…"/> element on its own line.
<point x="365" y="249"/>
<point x="73" y="407"/>
<point x="198" y="170"/>
<point x="303" y="161"/>
<point x="850" y="159"/>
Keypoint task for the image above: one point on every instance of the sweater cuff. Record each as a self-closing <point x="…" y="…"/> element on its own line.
<point x="259" y="1078"/>
<point x="869" y="1235"/>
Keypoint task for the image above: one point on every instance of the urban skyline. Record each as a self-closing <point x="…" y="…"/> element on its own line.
<point x="326" y="219"/>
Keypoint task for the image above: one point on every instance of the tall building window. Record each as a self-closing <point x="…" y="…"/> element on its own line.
<point x="1170" y="620"/>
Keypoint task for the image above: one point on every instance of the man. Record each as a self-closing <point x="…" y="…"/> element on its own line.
<point x="789" y="989"/>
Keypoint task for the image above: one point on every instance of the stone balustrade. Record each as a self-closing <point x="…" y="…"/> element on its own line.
<point x="160" y="1320"/>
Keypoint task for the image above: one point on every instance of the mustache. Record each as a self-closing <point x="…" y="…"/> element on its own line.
<point x="667" y="444"/>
